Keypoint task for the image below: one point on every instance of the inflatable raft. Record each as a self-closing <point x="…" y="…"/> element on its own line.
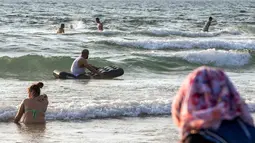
<point x="108" y="72"/>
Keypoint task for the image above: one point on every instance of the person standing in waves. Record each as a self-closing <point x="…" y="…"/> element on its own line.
<point x="208" y="24"/>
<point x="99" y="24"/>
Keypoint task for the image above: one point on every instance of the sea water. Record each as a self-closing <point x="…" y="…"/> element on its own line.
<point x="156" y="42"/>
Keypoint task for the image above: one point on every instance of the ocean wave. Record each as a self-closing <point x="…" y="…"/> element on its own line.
<point x="159" y="60"/>
<point x="249" y="28"/>
<point x="7" y="113"/>
<point x="166" y="32"/>
<point x="77" y="27"/>
<point x="103" y="110"/>
<point x="210" y="56"/>
<point x="95" y="32"/>
<point x="38" y="67"/>
<point x="155" y="32"/>
<point x="217" y="57"/>
<point x="184" y="44"/>
<point x="35" y="67"/>
<point x="99" y="110"/>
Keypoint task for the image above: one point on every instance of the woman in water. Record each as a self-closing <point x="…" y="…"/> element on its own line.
<point x="34" y="107"/>
<point x="208" y="109"/>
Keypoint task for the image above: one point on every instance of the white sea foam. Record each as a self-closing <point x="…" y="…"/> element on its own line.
<point x="76" y="25"/>
<point x="187" y="43"/>
<point x="7" y="113"/>
<point x="216" y="57"/>
<point x="103" y="110"/>
<point x="209" y="56"/>
<point x="167" y="32"/>
<point x="110" y="109"/>
<point x="74" y="111"/>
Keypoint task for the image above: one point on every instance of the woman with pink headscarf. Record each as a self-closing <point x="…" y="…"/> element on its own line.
<point x="208" y="109"/>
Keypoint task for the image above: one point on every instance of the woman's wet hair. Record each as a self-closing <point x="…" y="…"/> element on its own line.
<point x="36" y="88"/>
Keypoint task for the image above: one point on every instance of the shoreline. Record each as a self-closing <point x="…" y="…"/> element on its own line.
<point x="146" y="129"/>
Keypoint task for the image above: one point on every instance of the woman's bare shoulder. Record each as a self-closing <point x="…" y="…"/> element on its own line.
<point x="42" y="98"/>
<point x="26" y="100"/>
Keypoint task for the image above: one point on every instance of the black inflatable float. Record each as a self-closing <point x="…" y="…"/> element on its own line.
<point x="108" y="72"/>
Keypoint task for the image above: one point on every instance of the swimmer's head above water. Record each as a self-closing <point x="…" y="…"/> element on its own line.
<point x="210" y="18"/>
<point x="61" y="29"/>
<point x="62" y="25"/>
<point x="97" y="20"/>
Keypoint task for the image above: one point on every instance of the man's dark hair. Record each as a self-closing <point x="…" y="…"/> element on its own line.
<point x="85" y="51"/>
<point x="210" y="18"/>
<point x="62" y="25"/>
<point x="97" y="19"/>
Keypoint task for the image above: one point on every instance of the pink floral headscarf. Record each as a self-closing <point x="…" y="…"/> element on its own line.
<point x="206" y="98"/>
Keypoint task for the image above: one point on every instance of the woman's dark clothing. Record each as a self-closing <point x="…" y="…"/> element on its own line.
<point x="196" y="138"/>
<point x="230" y="131"/>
